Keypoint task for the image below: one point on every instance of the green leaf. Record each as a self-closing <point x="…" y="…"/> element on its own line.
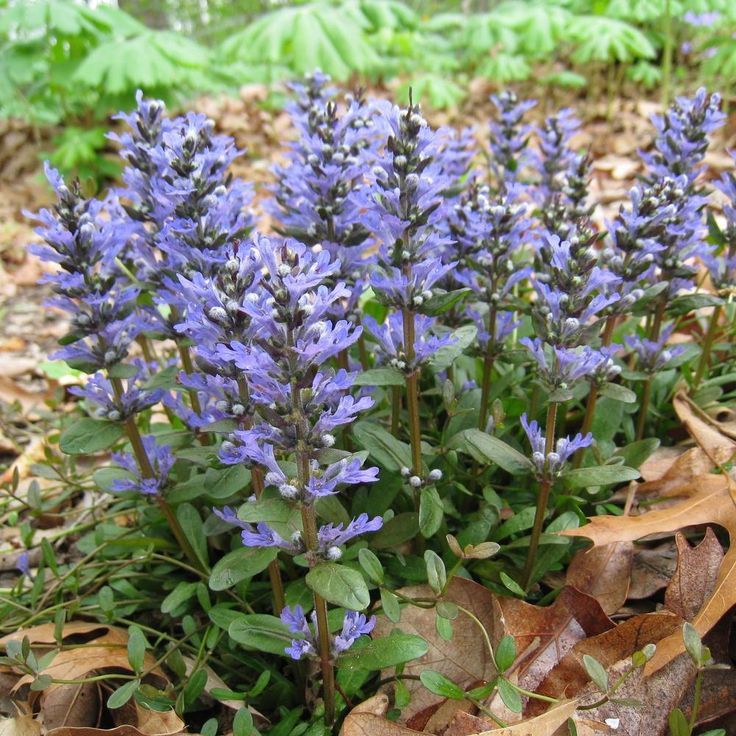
<point x="618" y="393"/>
<point x="181" y="593"/>
<point x="396" y="531"/>
<point x="261" y="632"/>
<point x="486" y="448"/>
<point x="86" y="436"/>
<point x="243" y="722"/>
<point x="635" y="453"/>
<point x="380" y="377"/>
<point x="678" y="723"/>
<point x="447" y="609"/>
<point x="339" y="585"/>
<point x="136" y="648"/>
<point x="391" y="606"/>
<point x="693" y="643"/>
<point x="440" y="685"/>
<point x="445" y="356"/>
<point x="440" y="303"/>
<point x="601" y="475"/>
<point x="240" y="564"/>
<point x="436" y="573"/>
<point x="431" y="512"/>
<point x="443" y="627"/>
<point x="596" y="672"/>
<point x="371" y="565"/>
<point x="385" y="449"/>
<point x="388" y="651"/>
<point x="505" y="653"/>
<point x="509" y="695"/>
<point x="193" y="529"/>
<point x="122" y="695"/>
<point x="512" y="585"/>
<point x="42" y="682"/>
<point x="690" y="302"/>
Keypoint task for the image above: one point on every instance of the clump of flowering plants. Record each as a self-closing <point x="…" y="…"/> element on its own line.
<point x="423" y="372"/>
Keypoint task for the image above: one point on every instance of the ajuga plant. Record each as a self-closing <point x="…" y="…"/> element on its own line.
<point x="429" y="364"/>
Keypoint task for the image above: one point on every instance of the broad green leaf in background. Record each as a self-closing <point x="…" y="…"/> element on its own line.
<point x="86" y="435"/>
<point x="339" y="585"/>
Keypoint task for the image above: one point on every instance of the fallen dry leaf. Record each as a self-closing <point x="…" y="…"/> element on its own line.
<point x="719" y="447"/>
<point x="367" y="719"/>
<point x="69" y="705"/>
<point x="546" y="724"/>
<point x="464" y="660"/>
<point x="695" y="575"/>
<point x="117" y="731"/>
<point x="549" y="633"/>
<point x="652" y="570"/>
<point x="569" y="677"/>
<point x="709" y="502"/>
<point x="20" y="726"/>
<point x="656" y="695"/>
<point x="11" y="392"/>
<point x="604" y="573"/>
<point x="104" y="648"/>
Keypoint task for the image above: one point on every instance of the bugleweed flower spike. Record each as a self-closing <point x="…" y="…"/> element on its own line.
<point x="573" y="293"/>
<point x="86" y="237"/>
<point x="408" y="182"/>
<point x="299" y="402"/>
<point x="185" y="208"/>
<point x="509" y="137"/>
<point x="489" y="230"/>
<point x="319" y="193"/>
<point x="674" y="166"/>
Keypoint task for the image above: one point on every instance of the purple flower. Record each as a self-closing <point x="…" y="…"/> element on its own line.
<point x="573" y="291"/>
<point x="701" y="20"/>
<point x="682" y="139"/>
<point x="722" y="266"/>
<point x="23" y="563"/>
<point x="655" y="355"/>
<point x="85" y="237"/>
<point x="561" y="368"/>
<point x="550" y="465"/>
<point x="563" y="186"/>
<point x="161" y="460"/>
<point x="291" y="338"/>
<point x="509" y="136"/>
<point x="305" y="645"/>
<point x="390" y="337"/>
<point x="332" y="537"/>
<point x="133" y="399"/>
<point x="354" y="626"/>
<point x="410" y="185"/>
<point x="319" y="193"/>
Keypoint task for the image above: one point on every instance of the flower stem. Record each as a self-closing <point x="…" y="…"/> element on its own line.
<point x="309" y="520"/>
<point x="606" y="339"/>
<point x="395" y="409"/>
<point x="256" y="478"/>
<point x="542" y="499"/>
<point x="646" y="395"/>
<point x="186" y="362"/>
<point x="488" y="360"/>
<point x="412" y="395"/>
<point x="147" y="471"/>
<point x="311" y="542"/>
<point x="696" y="698"/>
<point x="707" y="346"/>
